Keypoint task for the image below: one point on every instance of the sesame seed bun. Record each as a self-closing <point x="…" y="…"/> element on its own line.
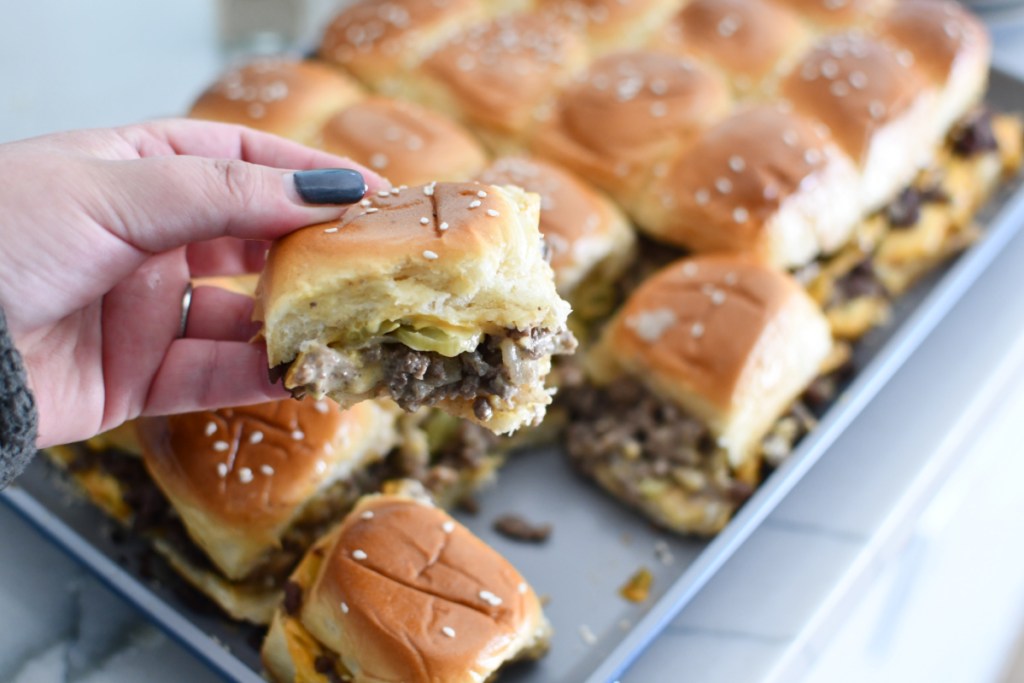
<point x="876" y="106"/>
<point x="380" y="42"/>
<point x="752" y="42"/>
<point x="583" y="229"/>
<point x="239" y="477"/>
<point x="448" y="268"/>
<point x="627" y="113"/>
<point x="728" y="339"/>
<point x="402" y="592"/>
<point x="498" y="76"/>
<point x="763" y="181"/>
<point x="286" y="97"/>
<point x="951" y="48"/>
<point x="612" y="25"/>
<point x="403" y="141"/>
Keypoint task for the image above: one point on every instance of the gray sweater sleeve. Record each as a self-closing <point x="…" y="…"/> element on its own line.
<point x="18" y="418"/>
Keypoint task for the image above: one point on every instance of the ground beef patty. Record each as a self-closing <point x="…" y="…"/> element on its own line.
<point x="655" y="456"/>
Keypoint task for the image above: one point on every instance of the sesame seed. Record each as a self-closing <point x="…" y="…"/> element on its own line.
<point x="718" y="297"/>
<point x="587" y="635"/>
<point x="728" y="26"/>
<point x="475" y="203"/>
<point x="448" y="631"/>
<point x="365" y="203"/>
<point x="358" y="554"/>
<point x="790" y="137"/>
<point x="905" y="58"/>
<point x="379" y="160"/>
<point x="298" y="435"/>
<point x="812" y="156"/>
<point x="267" y="470"/>
<point x="448" y="526"/>
<point x="697" y="330"/>
<point x="490" y="598"/>
<point x="344" y="608"/>
<point x="690" y="269"/>
<point x="320" y="467"/>
<point x="429" y="189"/>
<point x="424" y="221"/>
<point x="368" y="514"/>
<point x="659" y="109"/>
<point x="740" y="215"/>
<point x="829" y="68"/>
<point x="493" y="213"/>
<point x="736" y="163"/>
<point x="839" y="89"/>
<point x="723" y="185"/>
<point x="731" y="279"/>
<point x="481" y="194"/>
<point x="222" y="469"/>
<point x="858" y="79"/>
<point x="415" y="143"/>
<point x="651" y="325"/>
<point x="702" y="196"/>
<point x="245" y="475"/>
<point x="321" y="407"/>
<point x="658" y="86"/>
<point x="331" y="230"/>
<point x="522" y="588"/>
<point x="430" y="255"/>
<point x="383" y="193"/>
<point x="371" y="210"/>
<point x="443" y="226"/>
<point x="211" y="428"/>
<point x="220" y="446"/>
<point x="876" y="109"/>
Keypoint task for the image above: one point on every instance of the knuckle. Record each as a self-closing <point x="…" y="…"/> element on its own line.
<point x="238" y="180"/>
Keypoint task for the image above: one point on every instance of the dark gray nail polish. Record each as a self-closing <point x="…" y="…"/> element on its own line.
<point x="330" y="186"/>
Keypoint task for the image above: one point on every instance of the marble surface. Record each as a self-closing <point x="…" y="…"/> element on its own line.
<point x="831" y="588"/>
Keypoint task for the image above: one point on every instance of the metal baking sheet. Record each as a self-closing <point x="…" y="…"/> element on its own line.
<point x="597" y="544"/>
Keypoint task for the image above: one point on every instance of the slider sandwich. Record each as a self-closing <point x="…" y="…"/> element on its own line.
<point x="590" y="241"/>
<point x="751" y="42"/>
<point x="688" y="382"/>
<point x="630" y="112"/>
<point x="436" y="295"/>
<point x="287" y="97"/>
<point x="403" y="141"/>
<point x="381" y="42"/>
<point x="400" y="591"/>
<point x="232" y="498"/>
<point x="499" y="77"/>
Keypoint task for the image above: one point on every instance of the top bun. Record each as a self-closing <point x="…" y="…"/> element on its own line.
<point x="286" y="97"/>
<point x="403" y="141"/>
<point x="239" y="477"/>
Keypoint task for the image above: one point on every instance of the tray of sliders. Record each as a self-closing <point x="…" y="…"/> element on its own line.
<point x="642" y="262"/>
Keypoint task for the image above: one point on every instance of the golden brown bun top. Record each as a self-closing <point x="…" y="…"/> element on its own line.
<point x="510" y="64"/>
<point x="599" y="16"/>
<point x="407" y="143"/>
<point x="405" y="593"/>
<point x="745" y="37"/>
<point x="571" y="212"/>
<point x="739" y="171"/>
<point x="633" y="101"/>
<point x="377" y="36"/>
<point x="282" y="96"/>
<point x="854" y="85"/>
<point x="839" y="13"/>
<point x="252" y="466"/>
<point x="698" y="321"/>
<point x="937" y="32"/>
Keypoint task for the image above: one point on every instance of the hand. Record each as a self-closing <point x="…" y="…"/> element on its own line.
<point x="101" y="232"/>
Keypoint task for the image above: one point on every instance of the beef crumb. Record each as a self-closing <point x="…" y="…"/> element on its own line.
<point x="905" y="210"/>
<point x="518" y="529"/>
<point x="974" y="135"/>
<point x="292" y="598"/>
<point x="326" y="666"/>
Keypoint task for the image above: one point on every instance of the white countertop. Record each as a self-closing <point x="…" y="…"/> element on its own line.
<point x="879" y="566"/>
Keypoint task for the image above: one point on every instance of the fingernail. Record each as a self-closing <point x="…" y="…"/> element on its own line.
<point x="330" y="186"/>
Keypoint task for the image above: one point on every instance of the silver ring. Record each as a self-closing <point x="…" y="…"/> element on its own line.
<point x="186" y="304"/>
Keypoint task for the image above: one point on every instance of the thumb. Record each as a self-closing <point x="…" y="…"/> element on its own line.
<point x="160" y="203"/>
